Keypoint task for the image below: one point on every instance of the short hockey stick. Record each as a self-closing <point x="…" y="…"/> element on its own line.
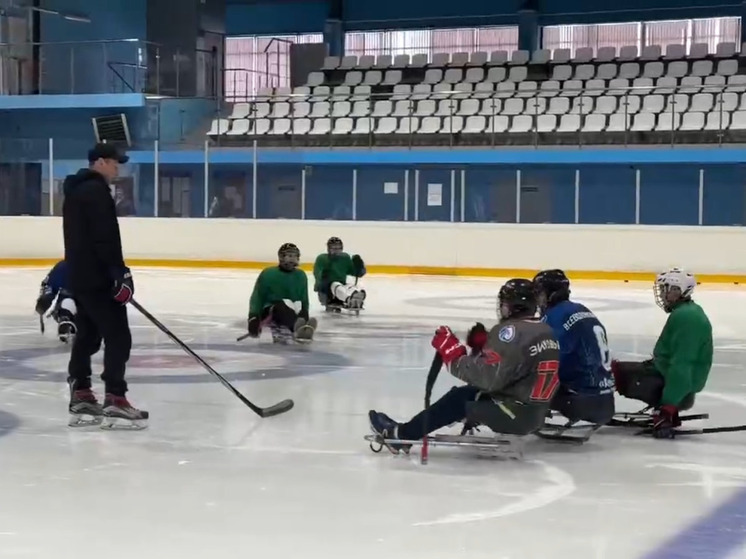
<point x="41" y="322"/>
<point x="432" y="376"/>
<point x="242" y="338"/>
<point x="703" y="431"/>
<point x="281" y="407"/>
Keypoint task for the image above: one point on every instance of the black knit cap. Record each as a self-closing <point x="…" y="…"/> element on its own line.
<point x="106" y="151"/>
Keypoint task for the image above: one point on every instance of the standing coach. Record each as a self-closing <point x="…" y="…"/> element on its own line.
<point x="102" y="285"/>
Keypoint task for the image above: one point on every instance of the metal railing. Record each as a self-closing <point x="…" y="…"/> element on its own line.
<point x="106" y="66"/>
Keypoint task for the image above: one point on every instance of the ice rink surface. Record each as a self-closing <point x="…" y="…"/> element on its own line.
<point x="209" y="479"/>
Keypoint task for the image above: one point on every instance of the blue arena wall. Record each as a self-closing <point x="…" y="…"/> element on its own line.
<point x="79" y="68"/>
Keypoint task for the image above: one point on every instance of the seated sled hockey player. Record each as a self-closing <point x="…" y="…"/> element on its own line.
<point x="510" y="380"/>
<point x="330" y="272"/>
<point x="586" y="386"/>
<point x="54" y="286"/>
<point x="280" y="299"/>
<point x="682" y="356"/>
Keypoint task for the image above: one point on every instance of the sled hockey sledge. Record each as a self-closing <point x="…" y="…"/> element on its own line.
<point x="643" y="422"/>
<point x="498" y="446"/>
<point x="337" y="308"/>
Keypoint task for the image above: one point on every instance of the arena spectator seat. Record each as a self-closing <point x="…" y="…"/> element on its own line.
<point x="498" y="98"/>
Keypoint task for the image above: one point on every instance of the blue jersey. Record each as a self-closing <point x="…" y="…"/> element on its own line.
<point x="585" y="360"/>
<point x="56" y="279"/>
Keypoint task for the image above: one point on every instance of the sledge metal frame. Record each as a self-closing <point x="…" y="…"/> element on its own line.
<point x="504" y="446"/>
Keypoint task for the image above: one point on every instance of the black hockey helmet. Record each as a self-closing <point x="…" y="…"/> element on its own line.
<point x="517" y="298"/>
<point x="289" y="256"/>
<point x="552" y="287"/>
<point x="334" y="245"/>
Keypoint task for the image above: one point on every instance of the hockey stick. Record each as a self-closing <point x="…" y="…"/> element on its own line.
<point x="281" y="407"/>
<point x="41" y="322"/>
<point x="242" y="338"/>
<point x="432" y="375"/>
<point x="703" y="431"/>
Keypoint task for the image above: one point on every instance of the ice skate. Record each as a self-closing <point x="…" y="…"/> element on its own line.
<point x="304" y="331"/>
<point x="84" y="409"/>
<point x="385" y="428"/>
<point x="120" y="414"/>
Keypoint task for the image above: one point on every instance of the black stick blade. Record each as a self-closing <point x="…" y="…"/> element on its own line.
<point x="277" y="409"/>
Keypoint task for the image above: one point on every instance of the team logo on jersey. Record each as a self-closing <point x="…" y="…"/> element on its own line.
<point x="506" y="334"/>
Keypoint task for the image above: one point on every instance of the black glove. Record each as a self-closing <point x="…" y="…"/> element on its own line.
<point x="124" y="287"/>
<point x="45" y="300"/>
<point x="476" y="338"/>
<point x="254" y="326"/>
<point x="358" y="266"/>
<point x="665" y="421"/>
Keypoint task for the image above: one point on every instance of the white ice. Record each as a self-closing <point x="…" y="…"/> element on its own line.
<point x="209" y="479"/>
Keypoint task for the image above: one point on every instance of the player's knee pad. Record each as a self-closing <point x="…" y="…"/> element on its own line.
<point x="644" y="386"/>
<point x="626" y="373"/>
<point x="68" y="305"/>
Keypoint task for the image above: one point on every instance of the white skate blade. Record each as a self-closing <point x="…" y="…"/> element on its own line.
<point x="123" y="424"/>
<point x="84" y="420"/>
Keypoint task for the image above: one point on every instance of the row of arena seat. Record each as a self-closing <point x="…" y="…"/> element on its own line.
<point x="699" y="94"/>
<point x="523" y="57"/>
<point x="568" y="128"/>
<point x="582" y="72"/>
<point x="604" y="104"/>
<point x="481" y="124"/>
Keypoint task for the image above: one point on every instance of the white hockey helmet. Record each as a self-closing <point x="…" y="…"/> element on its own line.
<point x="672" y="286"/>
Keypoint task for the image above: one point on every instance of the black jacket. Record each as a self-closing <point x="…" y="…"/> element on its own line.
<point x="93" y="246"/>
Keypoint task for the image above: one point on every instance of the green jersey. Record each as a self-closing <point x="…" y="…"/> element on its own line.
<point x="328" y="269"/>
<point x="683" y="352"/>
<point x="274" y="285"/>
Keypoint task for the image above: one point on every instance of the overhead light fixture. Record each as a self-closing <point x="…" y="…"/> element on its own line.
<point x="76" y="17"/>
<point x="82" y="18"/>
<point x="44" y="10"/>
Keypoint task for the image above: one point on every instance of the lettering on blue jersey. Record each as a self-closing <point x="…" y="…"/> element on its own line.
<point x="506" y="334"/>
<point x="577" y="317"/>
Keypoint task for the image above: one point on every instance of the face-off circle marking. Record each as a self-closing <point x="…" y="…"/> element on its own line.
<point x="155" y="364"/>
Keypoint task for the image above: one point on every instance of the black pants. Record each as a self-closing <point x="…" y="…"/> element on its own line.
<point x="641" y="381"/>
<point x="468" y="403"/>
<point x="280" y="314"/>
<point x="100" y="318"/>
<point x="593" y="408"/>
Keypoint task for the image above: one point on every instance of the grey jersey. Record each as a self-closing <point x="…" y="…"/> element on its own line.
<point x="519" y="361"/>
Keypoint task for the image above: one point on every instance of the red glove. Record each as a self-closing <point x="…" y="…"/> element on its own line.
<point x="665" y="420"/>
<point x="448" y="345"/>
<point x="124" y="287"/>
